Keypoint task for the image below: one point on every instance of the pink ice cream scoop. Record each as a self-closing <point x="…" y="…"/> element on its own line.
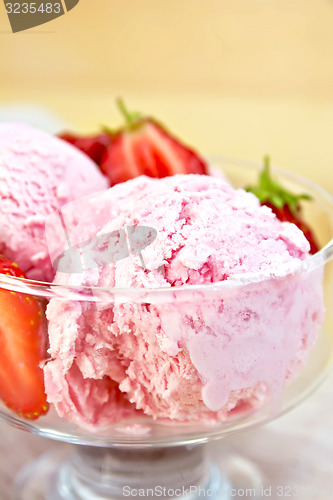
<point x="187" y="353"/>
<point x="38" y="174"/>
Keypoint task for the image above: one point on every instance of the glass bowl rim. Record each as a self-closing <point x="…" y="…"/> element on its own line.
<point x="311" y="263"/>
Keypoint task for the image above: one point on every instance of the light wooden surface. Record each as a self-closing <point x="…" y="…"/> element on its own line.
<point x="250" y="47"/>
<point x="235" y="77"/>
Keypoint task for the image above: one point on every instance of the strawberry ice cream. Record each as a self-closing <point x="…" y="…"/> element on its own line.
<point x="186" y="353"/>
<point x="38" y="174"/>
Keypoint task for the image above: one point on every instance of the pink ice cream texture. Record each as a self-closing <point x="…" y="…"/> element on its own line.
<point x="38" y="174"/>
<point x="185" y="353"/>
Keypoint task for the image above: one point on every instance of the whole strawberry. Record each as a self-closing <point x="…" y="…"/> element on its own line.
<point x="22" y="340"/>
<point x="283" y="203"/>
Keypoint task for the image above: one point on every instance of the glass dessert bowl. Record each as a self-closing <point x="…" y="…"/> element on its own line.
<point x="279" y="351"/>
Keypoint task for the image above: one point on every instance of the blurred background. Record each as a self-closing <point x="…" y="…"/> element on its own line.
<point x="235" y="77"/>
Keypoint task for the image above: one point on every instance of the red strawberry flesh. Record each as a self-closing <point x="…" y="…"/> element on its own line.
<point x="148" y="150"/>
<point x="93" y="146"/>
<point x="22" y="349"/>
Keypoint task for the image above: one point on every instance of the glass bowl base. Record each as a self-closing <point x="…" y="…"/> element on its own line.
<point x="187" y="473"/>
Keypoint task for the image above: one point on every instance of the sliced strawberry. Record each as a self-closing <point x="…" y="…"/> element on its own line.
<point x="22" y="349"/>
<point x="93" y="146"/>
<point x="144" y="147"/>
<point x="283" y="203"/>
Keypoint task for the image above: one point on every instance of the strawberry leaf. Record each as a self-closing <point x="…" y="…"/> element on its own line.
<point x="269" y="190"/>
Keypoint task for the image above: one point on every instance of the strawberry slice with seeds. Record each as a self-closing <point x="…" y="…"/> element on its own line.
<point x="22" y="349"/>
<point x="93" y="146"/>
<point x="144" y="147"/>
<point x="283" y="203"/>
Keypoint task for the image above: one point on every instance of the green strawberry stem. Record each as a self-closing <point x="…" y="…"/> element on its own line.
<point x="269" y="190"/>
<point x="131" y="117"/>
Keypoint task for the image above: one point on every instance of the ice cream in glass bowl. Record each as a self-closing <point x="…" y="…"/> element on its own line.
<point x="181" y="311"/>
